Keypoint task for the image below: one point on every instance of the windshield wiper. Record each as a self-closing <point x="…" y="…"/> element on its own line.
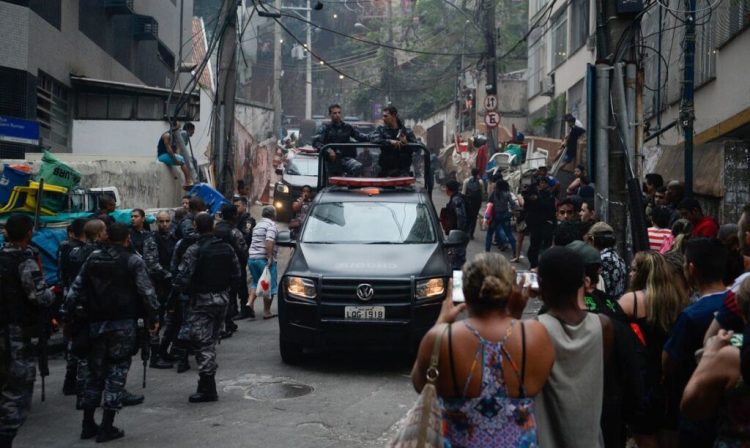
<point x="381" y="242"/>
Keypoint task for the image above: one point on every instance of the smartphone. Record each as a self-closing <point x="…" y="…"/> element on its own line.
<point x="458" y="291"/>
<point x="527" y="279"/>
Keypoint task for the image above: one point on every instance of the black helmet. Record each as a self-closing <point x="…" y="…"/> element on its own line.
<point x="479" y="140"/>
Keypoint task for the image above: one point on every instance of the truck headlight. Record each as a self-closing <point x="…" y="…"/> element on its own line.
<point x="430" y="288"/>
<point x="301" y="288"/>
<point x="282" y="188"/>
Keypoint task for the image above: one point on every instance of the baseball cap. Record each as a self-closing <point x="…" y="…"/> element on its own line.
<point x="600" y="227"/>
<point x="588" y="254"/>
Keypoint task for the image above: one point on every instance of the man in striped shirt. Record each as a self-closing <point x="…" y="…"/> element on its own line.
<point x="660" y="230"/>
<point x="262" y="254"/>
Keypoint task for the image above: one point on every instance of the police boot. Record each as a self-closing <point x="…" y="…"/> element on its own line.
<point x="108" y="431"/>
<point x="69" y="386"/>
<point x="129" y="399"/>
<point x="156" y="361"/>
<point x="164" y="351"/>
<point x="183" y="364"/>
<point x="89" y="428"/>
<point x="206" y="390"/>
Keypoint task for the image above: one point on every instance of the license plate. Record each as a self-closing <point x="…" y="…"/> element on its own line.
<point x="364" y="312"/>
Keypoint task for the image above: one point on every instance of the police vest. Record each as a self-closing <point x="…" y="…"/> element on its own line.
<point x="14" y="305"/>
<point x="165" y="244"/>
<point x="213" y="272"/>
<point x="112" y="291"/>
<point x="223" y="231"/>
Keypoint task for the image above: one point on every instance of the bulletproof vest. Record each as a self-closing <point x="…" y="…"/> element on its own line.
<point x="165" y="243"/>
<point x="66" y="273"/>
<point x="213" y="272"/>
<point x="14" y="305"/>
<point x="223" y="231"/>
<point x="111" y="287"/>
<point x="77" y="257"/>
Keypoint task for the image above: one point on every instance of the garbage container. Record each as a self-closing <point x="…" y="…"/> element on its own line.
<point x="13" y="176"/>
<point x="55" y="172"/>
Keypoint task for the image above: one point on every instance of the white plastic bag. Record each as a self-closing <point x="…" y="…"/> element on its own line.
<point x="264" y="284"/>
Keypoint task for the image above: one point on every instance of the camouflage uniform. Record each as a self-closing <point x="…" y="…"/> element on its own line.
<point x="66" y="275"/>
<point x="17" y="360"/>
<point x="208" y="308"/>
<point x="113" y="341"/>
<point x="176" y="318"/>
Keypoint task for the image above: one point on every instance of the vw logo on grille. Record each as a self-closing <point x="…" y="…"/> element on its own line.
<point x="365" y="292"/>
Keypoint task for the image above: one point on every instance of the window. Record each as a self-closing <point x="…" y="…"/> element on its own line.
<point x="730" y="19"/>
<point x="559" y="39"/>
<point x="537" y="61"/>
<point x="537" y="5"/>
<point x="52" y="110"/>
<point x="579" y="24"/>
<point x="150" y="108"/>
<point x="116" y="106"/>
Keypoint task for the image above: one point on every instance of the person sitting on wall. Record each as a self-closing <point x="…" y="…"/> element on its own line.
<point x="166" y="152"/>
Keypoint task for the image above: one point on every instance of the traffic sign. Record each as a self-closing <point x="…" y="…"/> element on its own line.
<point x="492" y="119"/>
<point x="16" y="130"/>
<point x="490" y="102"/>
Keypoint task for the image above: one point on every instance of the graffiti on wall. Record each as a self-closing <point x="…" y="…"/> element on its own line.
<point x="253" y="161"/>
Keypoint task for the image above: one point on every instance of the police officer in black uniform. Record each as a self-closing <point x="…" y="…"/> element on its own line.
<point x="395" y="158"/>
<point x="111" y="293"/>
<point x="139" y="231"/>
<point x="23" y="297"/>
<point x="227" y="231"/>
<point x="207" y="271"/>
<point x="245" y="224"/>
<point x="66" y="274"/>
<point x="157" y="253"/>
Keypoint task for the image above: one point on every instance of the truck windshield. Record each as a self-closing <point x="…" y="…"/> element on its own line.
<point x="369" y="223"/>
<point x="302" y="166"/>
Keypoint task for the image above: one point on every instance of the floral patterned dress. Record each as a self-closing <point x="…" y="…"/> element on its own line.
<point x="493" y="419"/>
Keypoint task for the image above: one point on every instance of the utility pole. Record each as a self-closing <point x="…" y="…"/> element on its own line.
<point x="277" y="74"/>
<point x="308" y="71"/>
<point x="223" y="132"/>
<point x="490" y="34"/>
<point x="687" y="107"/>
<point x="389" y="57"/>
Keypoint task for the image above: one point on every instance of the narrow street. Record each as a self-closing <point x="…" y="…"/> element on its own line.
<point x="339" y="400"/>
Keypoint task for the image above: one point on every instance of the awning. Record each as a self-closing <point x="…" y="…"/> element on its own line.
<point x="103" y="85"/>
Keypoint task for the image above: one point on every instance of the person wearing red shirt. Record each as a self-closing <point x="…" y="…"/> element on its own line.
<point x="703" y="226"/>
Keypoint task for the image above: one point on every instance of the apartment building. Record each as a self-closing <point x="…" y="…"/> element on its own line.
<point x="560" y="46"/>
<point x="94" y="75"/>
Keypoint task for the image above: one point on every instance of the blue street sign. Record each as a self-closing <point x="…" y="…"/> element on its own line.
<point x="17" y="130"/>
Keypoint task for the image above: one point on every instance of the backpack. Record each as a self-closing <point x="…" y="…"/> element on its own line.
<point x="474" y="190"/>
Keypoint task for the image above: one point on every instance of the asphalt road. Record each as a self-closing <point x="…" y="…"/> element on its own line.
<point x="343" y="400"/>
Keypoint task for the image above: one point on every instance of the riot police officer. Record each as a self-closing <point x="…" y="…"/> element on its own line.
<point x="206" y="272"/>
<point x="110" y="294"/>
<point x="157" y="253"/>
<point x="66" y="274"/>
<point x="227" y="231"/>
<point x="24" y="294"/>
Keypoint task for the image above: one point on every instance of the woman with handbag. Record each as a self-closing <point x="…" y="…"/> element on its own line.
<point x="487" y="379"/>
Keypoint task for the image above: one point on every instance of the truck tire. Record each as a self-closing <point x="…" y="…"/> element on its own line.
<point x="291" y="353"/>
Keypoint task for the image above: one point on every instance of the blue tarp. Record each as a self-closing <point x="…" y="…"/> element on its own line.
<point x="46" y="241"/>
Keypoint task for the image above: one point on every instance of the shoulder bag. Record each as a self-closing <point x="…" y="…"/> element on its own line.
<point x="424" y="421"/>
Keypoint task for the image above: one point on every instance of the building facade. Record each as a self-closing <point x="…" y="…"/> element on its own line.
<point x="560" y="45"/>
<point x="73" y="64"/>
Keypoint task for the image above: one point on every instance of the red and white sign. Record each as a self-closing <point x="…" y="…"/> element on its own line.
<point x="492" y="119"/>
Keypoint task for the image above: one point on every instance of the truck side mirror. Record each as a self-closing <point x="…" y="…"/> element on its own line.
<point x="279" y="171"/>
<point x="456" y="238"/>
<point x="284" y="239"/>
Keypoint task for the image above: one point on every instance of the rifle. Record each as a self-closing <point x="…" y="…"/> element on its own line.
<point x="143" y="339"/>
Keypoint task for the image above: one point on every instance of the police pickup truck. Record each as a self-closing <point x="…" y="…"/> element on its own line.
<point x="369" y="270"/>
<point x="300" y="169"/>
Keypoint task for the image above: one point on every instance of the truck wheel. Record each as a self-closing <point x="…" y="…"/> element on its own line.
<point x="291" y="353"/>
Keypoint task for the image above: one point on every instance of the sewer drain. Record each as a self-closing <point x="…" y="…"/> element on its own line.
<point x="278" y="391"/>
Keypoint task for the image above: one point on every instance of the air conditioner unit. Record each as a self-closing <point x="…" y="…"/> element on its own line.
<point x="145" y="28"/>
<point x="547" y="85"/>
<point x="118" y="7"/>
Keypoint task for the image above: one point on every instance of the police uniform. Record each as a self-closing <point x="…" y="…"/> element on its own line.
<point x="176" y="324"/>
<point x="393" y="161"/>
<point x="226" y="231"/>
<point x="206" y="272"/>
<point x="157" y="254"/>
<point x="114" y="290"/>
<point x="138" y="240"/>
<point x="24" y="291"/>
<point x="457" y="207"/>
<point x="66" y="275"/>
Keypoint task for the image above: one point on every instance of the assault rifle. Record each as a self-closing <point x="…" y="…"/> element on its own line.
<point x="143" y="340"/>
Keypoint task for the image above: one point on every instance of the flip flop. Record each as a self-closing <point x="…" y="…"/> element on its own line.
<point x="270" y="316"/>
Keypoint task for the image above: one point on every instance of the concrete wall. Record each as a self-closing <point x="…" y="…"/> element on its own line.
<point x="142" y="181"/>
<point x="736" y="180"/>
<point x="254" y="153"/>
<point x="447" y="115"/>
<point x="137" y="138"/>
